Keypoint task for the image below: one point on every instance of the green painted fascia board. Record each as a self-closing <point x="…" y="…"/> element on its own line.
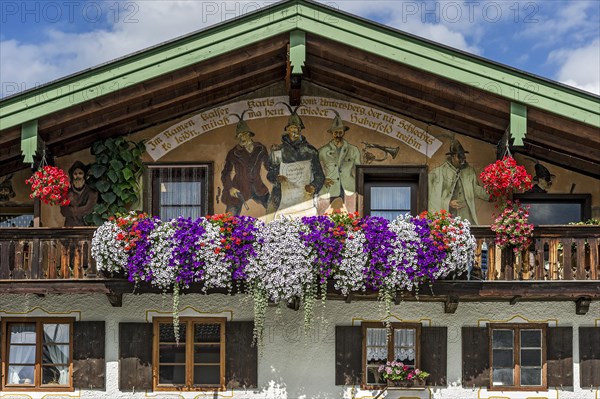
<point x="29" y="140"/>
<point x="518" y="122"/>
<point x="147" y="65"/>
<point x="297" y="50"/>
<point x="453" y="65"/>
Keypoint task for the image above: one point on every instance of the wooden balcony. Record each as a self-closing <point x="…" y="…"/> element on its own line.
<point x="562" y="264"/>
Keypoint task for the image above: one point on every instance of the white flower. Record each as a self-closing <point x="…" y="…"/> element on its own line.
<point x="283" y="265"/>
<point x="109" y="253"/>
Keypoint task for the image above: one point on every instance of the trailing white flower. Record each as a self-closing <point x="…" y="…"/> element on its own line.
<point x="462" y="248"/>
<point x="163" y="275"/>
<point x="349" y="276"/>
<point x="216" y="270"/>
<point x="107" y="250"/>
<point x="283" y="264"/>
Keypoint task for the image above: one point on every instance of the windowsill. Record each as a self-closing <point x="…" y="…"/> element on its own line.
<point x="173" y="388"/>
<point x="518" y="389"/>
<point x="46" y="388"/>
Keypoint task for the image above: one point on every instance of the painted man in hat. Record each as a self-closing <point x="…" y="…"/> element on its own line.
<point x="454" y="185"/>
<point x="339" y="159"/>
<point x="81" y="196"/>
<point x="294" y="152"/>
<point x="542" y="179"/>
<point x="241" y="174"/>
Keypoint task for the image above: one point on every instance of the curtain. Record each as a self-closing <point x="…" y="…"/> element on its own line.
<point x="23" y="334"/>
<point x="53" y="353"/>
<point x="376" y="344"/>
<point x="404" y="345"/>
<point x="181" y="192"/>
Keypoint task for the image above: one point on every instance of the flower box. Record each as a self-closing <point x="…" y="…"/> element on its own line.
<point x="405" y="384"/>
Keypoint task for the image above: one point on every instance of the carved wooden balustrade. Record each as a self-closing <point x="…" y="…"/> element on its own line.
<point x="557" y="253"/>
<point x="47" y="253"/>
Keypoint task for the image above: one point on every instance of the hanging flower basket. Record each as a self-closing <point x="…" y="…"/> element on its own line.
<point x="504" y="177"/>
<point x="51" y="185"/>
<point x="512" y="228"/>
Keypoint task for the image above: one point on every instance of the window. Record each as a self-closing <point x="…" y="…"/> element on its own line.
<point x="37" y="354"/>
<point x="518" y="356"/>
<point x="390" y="191"/>
<point x="557" y="208"/>
<point x="197" y="362"/>
<point x="179" y="190"/>
<point x="402" y="346"/>
<point x="16" y="216"/>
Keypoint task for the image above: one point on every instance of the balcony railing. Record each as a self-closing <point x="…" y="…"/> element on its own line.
<point x="47" y="253"/>
<point x="557" y="253"/>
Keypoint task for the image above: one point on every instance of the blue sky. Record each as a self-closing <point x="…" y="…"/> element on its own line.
<point x="41" y="41"/>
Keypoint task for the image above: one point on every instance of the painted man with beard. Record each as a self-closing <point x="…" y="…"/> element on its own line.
<point x="289" y="196"/>
<point x="82" y="197"/>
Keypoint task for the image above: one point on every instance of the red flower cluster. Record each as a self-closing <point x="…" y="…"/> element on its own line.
<point x="344" y="223"/>
<point x="441" y="224"/>
<point x="51" y="185"/>
<point x="504" y="177"/>
<point x="225" y="221"/>
<point x="128" y="224"/>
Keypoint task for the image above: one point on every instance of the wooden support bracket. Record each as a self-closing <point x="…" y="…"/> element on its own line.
<point x="582" y="305"/>
<point x="349" y="298"/>
<point x="294" y="304"/>
<point x="451" y="304"/>
<point x="115" y="299"/>
<point x="515" y="299"/>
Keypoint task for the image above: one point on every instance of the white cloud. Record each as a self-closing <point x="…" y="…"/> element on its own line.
<point x="579" y="67"/>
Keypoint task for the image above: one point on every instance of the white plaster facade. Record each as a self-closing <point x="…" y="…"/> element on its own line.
<point x="292" y="366"/>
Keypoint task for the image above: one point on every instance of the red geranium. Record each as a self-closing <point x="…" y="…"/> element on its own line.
<point x="51" y="185"/>
<point x="504" y="177"/>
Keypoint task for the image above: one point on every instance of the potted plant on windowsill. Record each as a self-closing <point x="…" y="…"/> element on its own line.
<point x="399" y="375"/>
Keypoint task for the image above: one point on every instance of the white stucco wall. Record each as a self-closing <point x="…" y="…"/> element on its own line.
<point x="292" y="366"/>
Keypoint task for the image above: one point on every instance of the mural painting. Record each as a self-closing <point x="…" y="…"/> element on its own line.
<point x="339" y="159"/>
<point x="16" y="208"/>
<point x="543" y="179"/>
<point x="295" y="172"/>
<point x="81" y="196"/>
<point x="454" y="185"/>
<point x="241" y="175"/>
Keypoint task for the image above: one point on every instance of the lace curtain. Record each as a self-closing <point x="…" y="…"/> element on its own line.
<point x="376" y="344"/>
<point x="404" y="345"/>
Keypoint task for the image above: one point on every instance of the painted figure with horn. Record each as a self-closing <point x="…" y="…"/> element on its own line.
<point x="454" y="185"/>
<point x="339" y="159"/>
<point x="241" y="175"/>
<point x="295" y="172"/>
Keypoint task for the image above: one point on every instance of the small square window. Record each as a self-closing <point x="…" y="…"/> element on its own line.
<point x="38" y="353"/>
<point x="518" y="356"/>
<point x="378" y="348"/>
<point x="179" y="190"/>
<point x="197" y="361"/>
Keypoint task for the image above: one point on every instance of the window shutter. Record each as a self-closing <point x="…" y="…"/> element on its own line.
<point x="559" y="356"/>
<point x="135" y="356"/>
<point x="348" y="355"/>
<point x="434" y="349"/>
<point x="241" y="364"/>
<point x="589" y="356"/>
<point x="89" y="369"/>
<point x="475" y="357"/>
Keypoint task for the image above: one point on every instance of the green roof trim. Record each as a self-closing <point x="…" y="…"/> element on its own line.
<point x="316" y="19"/>
<point x="297" y="50"/>
<point x="518" y="122"/>
<point x="29" y="140"/>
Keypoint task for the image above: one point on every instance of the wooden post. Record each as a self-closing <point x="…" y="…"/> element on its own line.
<point x="581" y="273"/>
<point x="567" y="260"/>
